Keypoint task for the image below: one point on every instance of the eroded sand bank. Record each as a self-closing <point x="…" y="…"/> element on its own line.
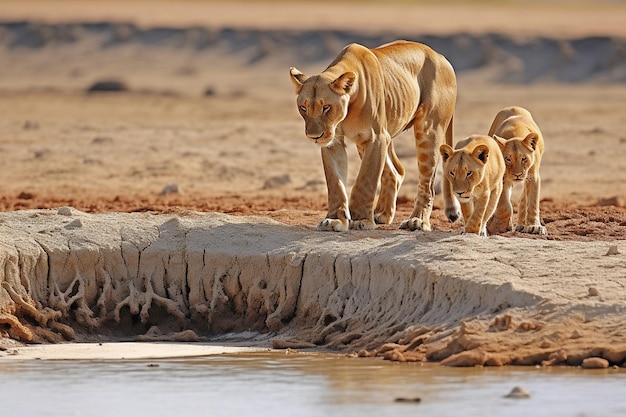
<point x="463" y="300"/>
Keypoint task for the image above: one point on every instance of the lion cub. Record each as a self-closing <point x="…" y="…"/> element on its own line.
<point x="522" y="146"/>
<point x="475" y="169"/>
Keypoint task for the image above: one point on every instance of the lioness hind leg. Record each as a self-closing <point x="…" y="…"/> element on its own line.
<point x="390" y="183"/>
<point x="426" y="144"/>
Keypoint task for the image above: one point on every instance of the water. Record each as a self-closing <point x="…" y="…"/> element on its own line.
<point x="299" y="385"/>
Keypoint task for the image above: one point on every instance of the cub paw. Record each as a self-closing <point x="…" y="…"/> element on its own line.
<point x="333" y="225"/>
<point x="363" y="224"/>
<point x="533" y="229"/>
<point x="453" y="213"/>
<point x="415" y="223"/>
<point x="383" y="218"/>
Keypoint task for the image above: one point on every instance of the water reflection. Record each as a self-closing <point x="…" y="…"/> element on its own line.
<point x="277" y="385"/>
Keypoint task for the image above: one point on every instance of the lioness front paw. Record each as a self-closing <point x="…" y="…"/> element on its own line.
<point x="333" y="225"/>
<point x="415" y="223"/>
<point x="363" y="224"/>
<point x="533" y="229"/>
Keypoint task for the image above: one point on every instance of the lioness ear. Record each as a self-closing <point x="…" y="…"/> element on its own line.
<point x="531" y="141"/>
<point x="501" y="142"/>
<point x="297" y="78"/>
<point x="343" y="84"/>
<point x="481" y="153"/>
<point x="446" y="152"/>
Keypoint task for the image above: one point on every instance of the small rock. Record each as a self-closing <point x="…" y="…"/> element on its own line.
<point x="576" y="334"/>
<point x="153" y="365"/>
<point x="593" y="292"/>
<point x="64" y="211"/>
<point x="611" y="201"/>
<point x="612" y="251"/>
<point x="30" y="124"/>
<point x="99" y="140"/>
<point x="408" y="400"/>
<point x="518" y="392"/>
<point x="276" y="181"/>
<point x="595" y="363"/>
<point x="169" y="189"/>
<point x="107" y="86"/>
<point x="76" y="224"/>
<point x="25" y="196"/>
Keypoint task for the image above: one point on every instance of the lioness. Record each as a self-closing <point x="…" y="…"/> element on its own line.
<point x="474" y="169"/>
<point x="521" y="142"/>
<point x="369" y="96"/>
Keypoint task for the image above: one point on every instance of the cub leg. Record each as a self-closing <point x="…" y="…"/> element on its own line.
<point x="502" y="219"/>
<point x="373" y="156"/>
<point x="390" y="182"/>
<point x="532" y="222"/>
<point x="475" y="222"/>
<point x="335" y="160"/>
<point x="494" y="198"/>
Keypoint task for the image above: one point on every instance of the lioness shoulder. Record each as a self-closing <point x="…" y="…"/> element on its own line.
<point x="474" y="170"/>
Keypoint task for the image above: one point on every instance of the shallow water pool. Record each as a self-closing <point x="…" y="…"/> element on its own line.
<point x="279" y="384"/>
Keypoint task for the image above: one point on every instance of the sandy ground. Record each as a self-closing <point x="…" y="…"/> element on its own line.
<point x="209" y="132"/>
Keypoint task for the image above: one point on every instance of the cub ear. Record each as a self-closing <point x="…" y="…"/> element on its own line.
<point x="500" y="141"/>
<point x="530" y="141"/>
<point x="446" y="152"/>
<point x="344" y="84"/>
<point x="298" y="78"/>
<point x="481" y="153"/>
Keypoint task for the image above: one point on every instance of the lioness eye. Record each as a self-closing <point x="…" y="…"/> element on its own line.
<point x="524" y="159"/>
<point x="469" y="174"/>
<point x="452" y="174"/>
<point x="507" y="160"/>
<point x="303" y="109"/>
<point x="326" y="108"/>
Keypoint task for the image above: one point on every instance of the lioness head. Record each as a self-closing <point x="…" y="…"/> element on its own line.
<point x="463" y="169"/>
<point x="322" y="103"/>
<point x="519" y="155"/>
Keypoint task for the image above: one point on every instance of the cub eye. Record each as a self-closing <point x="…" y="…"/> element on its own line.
<point x="507" y="160"/>
<point x="469" y="174"/>
<point x="303" y="109"/>
<point x="451" y="174"/>
<point x="326" y="108"/>
<point x="524" y="159"/>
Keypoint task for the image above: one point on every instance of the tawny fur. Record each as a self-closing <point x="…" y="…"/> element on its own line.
<point x="522" y="146"/>
<point x="368" y="96"/>
<point x="474" y="171"/>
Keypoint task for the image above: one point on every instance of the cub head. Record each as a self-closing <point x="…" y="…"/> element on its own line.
<point x="322" y="102"/>
<point x="519" y="155"/>
<point x="464" y="169"/>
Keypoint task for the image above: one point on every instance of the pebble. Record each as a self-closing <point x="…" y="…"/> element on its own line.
<point x="64" y="211"/>
<point x="518" y="392"/>
<point x="595" y="363"/>
<point x="612" y="251"/>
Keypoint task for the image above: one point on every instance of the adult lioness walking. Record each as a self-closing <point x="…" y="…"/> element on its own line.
<point x="369" y="96"/>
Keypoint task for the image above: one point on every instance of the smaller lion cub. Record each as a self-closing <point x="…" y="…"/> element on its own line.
<point x="475" y="168"/>
<point x="522" y="146"/>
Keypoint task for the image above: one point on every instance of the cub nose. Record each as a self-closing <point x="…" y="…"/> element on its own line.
<point x="315" y="136"/>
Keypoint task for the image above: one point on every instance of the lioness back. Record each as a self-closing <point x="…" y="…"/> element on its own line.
<point x="474" y="170"/>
